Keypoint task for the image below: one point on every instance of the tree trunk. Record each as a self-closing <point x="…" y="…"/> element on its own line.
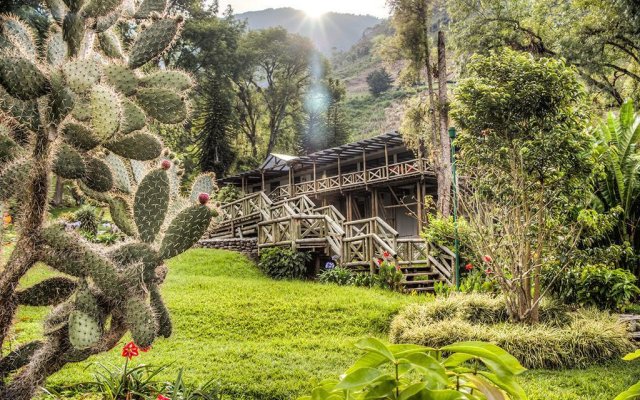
<point x="57" y="197"/>
<point x="444" y="173"/>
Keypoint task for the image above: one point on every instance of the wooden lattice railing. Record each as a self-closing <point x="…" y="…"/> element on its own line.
<point x="416" y="252"/>
<point x="366" y="240"/>
<point x="254" y="205"/>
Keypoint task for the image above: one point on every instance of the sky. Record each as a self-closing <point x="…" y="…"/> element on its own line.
<point x="313" y="7"/>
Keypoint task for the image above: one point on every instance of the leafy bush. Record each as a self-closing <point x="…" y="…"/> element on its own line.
<point x="364" y="279"/>
<point x="469" y="370"/>
<point x="379" y="81"/>
<point x="338" y="275"/>
<point x="593" y="285"/>
<point x="563" y="339"/>
<point x="389" y="276"/>
<point x="89" y="219"/>
<point x="228" y="194"/>
<point x="279" y="263"/>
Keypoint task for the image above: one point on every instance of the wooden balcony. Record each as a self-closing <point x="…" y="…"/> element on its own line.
<point x="350" y="180"/>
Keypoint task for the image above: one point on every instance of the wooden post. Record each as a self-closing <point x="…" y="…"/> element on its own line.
<point x="290" y="180"/>
<point x="243" y="184"/>
<point x="262" y="177"/>
<point x="315" y="180"/>
<point x="339" y="174"/>
<point x="364" y="164"/>
<point x="419" y="205"/>
<point x="386" y="159"/>
<point x="349" y="207"/>
<point x="374" y="203"/>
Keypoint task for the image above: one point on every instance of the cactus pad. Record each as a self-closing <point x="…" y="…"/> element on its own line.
<point x="151" y="6"/>
<point x="110" y="44"/>
<point x="185" y="230"/>
<point x="19" y="35"/>
<point x="98" y="176"/>
<point x="121" y="78"/>
<point x="141" y="321"/>
<point x="84" y="330"/>
<point x="24" y="113"/>
<point x="163" y="318"/>
<point x="22" y="79"/>
<point x="82" y="75"/>
<point x="105" y="111"/>
<point x="61" y="101"/>
<point x="151" y="203"/>
<point x="205" y="183"/>
<point x="100" y="8"/>
<point x="74" y="5"/>
<point x="47" y="293"/>
<point x="137" y="253"/>
<point x="153" y="41"/>
<point x="73" y="32"/>
<point x="69" y="163"/>
<point x="13" y="177"/>
<point x="57" y="48"/>
<point x="121" y="215"/>
<point x="79" y="136"/>
<point x="164" y="105"/>
<point x="121" y="178"/>
<point x="8" y="148"/>
<point x="106" y="22"/>
<point x="133" y="118"/>
<point x="136" y="146"/>
<point x="175" y="80"/>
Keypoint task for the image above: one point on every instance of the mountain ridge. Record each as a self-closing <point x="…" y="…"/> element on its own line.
<point x="330" y="32"/>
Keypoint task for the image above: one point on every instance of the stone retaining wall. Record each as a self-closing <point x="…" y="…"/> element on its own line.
<point x="248" y="246"/>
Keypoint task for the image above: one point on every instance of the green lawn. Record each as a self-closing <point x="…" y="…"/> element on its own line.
<point x="268" y="339"/>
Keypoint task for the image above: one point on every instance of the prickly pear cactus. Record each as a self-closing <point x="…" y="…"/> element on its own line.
<point x="76" y="105"/>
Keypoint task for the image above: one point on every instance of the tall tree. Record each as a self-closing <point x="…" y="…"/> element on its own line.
<point x="600" y="37"/>
<point x="279" y="73"/>
<point x="413" y="20"/>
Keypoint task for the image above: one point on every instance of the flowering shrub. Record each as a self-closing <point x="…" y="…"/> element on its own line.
<point x="389" y="275"/>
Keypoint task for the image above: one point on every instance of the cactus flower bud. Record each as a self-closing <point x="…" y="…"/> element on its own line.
<point x="166" y="164"/>
<point x="203" y="198"/>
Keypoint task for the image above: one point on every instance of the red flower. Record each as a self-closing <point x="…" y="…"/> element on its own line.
<point x="398" y="268"/>
<point x="130" y="350"/>
<point x="487" y="258"/>
<point x="468" y="267"/>
<point x="379" y="261"/>
<point x="145" y="349"/>
<point x="161" y="397"/>
<point x="386" y="254"/>
<point x="488" y="271"/>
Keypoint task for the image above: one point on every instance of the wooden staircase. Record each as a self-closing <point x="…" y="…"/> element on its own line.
<point x="297" y="223"/>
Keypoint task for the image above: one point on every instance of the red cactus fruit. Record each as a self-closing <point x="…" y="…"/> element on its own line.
<point x="203" y="198"/>
<point x="166" y="164"/>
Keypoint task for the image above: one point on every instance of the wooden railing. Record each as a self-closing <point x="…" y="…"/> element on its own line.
<point x="366" y="240"/>
<point x="255" y="205"/>
<point x="412" y="252"/>
<point x="299" y="230"/>
<point x="351" y="179"/>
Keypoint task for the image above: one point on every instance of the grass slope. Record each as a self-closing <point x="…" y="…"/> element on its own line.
<point x="268" y="339"/>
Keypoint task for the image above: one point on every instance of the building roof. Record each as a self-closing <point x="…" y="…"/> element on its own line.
<point x="275" y="164"/>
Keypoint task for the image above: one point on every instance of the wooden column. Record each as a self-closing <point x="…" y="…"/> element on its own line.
<point x="364" y="164"/>
<point x="315" y="180"/>
<point x="339" y="173"/>
<point x="262" y="178"/>
<point x="386" y="159"/>
<point x="374" y="203"/>
<point x="243" y="184"/>
<point x="349" y="207"/>
<point x="419" y="205"/>
<point x="290" y="180"/>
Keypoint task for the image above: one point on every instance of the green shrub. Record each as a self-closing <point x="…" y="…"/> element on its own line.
<point x="228" y="194"/>
<point x="564" y="338"/>
<point x="416" y="372"/>
<point x="389" y="276"/>
<point x="338" y="275"/>
<point x="598" y="286"/>
<point x="89" y="219"/>
<point x="364" y="279"/>
<point x="279" y="263"/>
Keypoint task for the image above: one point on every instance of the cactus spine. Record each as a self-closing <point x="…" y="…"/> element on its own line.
<point x="85" y="108"/>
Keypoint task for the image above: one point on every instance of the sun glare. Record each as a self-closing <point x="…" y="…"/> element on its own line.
<point x="314" y="10"/>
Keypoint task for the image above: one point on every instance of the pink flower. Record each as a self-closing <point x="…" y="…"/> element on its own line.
<point x="488" y="271"/>
<point x="398" y="268"/>
<point x="161" y="397"/>
<point x="379" y="261"/>
<point x="386" y="254"/>
<point x="130" y="350"/>
<point x="468" y="267"/>
<point x="487" y="258"/>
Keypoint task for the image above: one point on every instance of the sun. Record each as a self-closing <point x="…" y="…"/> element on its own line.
<point x="314" y="10"/>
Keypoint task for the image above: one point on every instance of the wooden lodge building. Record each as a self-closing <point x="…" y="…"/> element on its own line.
<point x="353" y="202"/>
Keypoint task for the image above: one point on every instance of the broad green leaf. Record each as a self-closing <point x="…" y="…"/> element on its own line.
<point x="508" y="384"/>
<point x="412" y="390"/>
<point x="630" y="394"/>
<point x="429" y="367"/>
<point x="497" y="359"/>
<point x="457" y="359"/>
<point x="490" y="391"/>
<point x="375" y="345"/>
<point x="381" y="390"/>
<point x="632" y="356"/>
<point x="360" y="378"/>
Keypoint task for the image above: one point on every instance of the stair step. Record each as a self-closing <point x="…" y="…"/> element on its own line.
<point x="421" y="289"/>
